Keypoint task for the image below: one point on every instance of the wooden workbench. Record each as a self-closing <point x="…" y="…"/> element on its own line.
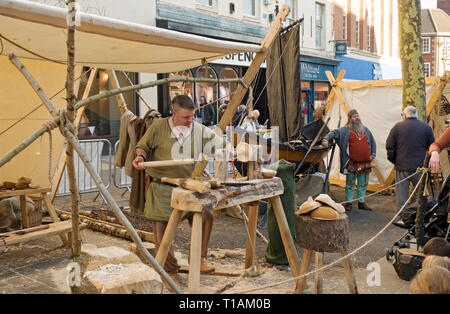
<point x="249" y="193"/>
<point x="59" y="227"/>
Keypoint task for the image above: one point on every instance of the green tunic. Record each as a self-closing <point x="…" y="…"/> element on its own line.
<point x="160" y="143"/>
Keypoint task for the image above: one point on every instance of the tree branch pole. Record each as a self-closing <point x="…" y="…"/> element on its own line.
<point x="122" y="218"/>
<point x="29" y="140"/>
<point x="73" y="142"/>
<point x="131" y="88"/>
<point x="19" y="65"/>
<point x="71" y="99"/>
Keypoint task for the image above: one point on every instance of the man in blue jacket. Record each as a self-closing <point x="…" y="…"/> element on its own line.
<point x="357" y="150"/>
<point x="406" y="146"/>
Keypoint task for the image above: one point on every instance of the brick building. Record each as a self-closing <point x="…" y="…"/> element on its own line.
<point x="435" y="41"/>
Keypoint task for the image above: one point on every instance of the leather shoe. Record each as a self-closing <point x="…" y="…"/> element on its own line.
<point x="348" y="207"/>
<point x="205" y="267"/>
<point x="363" y="206"/>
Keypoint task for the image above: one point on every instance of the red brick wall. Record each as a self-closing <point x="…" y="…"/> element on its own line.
<point x="444" y="5"/>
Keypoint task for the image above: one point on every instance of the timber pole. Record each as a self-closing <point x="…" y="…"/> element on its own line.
<point x="254" y="67"/>
<point x="71" y="99"/>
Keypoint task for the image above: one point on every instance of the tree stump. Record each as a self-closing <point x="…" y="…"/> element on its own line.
<point x="321" y="236"/>
<point x="329" y="236"/>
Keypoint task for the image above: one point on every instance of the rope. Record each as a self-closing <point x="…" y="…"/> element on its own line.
<point x="349" y="254"/>
<point x="386" y="188"/>
<point x="29" y="51"/>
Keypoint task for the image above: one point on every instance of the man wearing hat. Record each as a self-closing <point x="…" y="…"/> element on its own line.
<point x="357" y="150"/>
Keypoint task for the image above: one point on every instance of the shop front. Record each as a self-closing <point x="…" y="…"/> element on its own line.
<point x="315" y="86"/>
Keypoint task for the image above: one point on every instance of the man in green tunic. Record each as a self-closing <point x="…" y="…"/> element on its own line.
<point x="176" y="137"/>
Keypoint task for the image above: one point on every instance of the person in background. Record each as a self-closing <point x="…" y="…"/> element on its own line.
<point x="357" y="150"/>
<point x="207" y="112"/>
<point x="406" y="146"/>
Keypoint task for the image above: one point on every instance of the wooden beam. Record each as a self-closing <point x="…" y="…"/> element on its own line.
<point x="226" y="197"/>
<point x="62" y="163"/>
<point x="53" y="229"/>
<point x="254" y="67"/>
<point x="115" y="84"/>
<point x="332" y="95"/>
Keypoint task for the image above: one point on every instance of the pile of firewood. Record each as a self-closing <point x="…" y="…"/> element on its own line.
<point x="22" y="183"/>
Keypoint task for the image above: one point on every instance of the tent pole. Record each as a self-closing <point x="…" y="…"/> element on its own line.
<point x="71" y="99"/>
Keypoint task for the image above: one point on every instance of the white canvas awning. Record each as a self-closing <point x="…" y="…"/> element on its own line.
<point x="37" y="31"/>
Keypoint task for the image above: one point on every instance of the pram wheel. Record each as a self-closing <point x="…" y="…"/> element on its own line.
<point x="389" y="254"/>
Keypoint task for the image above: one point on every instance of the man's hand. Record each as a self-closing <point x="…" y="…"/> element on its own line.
<point x="435" y="162"/>
<point x="372" y="157"/>
<point x="136" y="162"/>
<point x="325" y="142"/>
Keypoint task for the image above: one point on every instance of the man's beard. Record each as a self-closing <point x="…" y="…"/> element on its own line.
<point x="357" y="126"/>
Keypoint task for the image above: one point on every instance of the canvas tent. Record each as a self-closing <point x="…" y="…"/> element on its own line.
<point x="379" y="104"/>
<point x="37" y="34"/>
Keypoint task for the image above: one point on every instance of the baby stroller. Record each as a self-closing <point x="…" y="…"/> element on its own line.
<point x="435" y="221"/>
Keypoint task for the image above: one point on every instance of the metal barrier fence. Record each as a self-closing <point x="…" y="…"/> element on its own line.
<point x="102" y="165"/>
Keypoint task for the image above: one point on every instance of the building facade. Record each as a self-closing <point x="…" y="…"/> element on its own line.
<point x="369" y="28"/>
<point x="435" y="41"/>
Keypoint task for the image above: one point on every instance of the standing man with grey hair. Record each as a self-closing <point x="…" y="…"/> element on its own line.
<point x="406" y="146"/>
<point x="357" y="150"/>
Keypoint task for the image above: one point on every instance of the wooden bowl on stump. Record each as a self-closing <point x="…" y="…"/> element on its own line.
<point x="329" y="236"/>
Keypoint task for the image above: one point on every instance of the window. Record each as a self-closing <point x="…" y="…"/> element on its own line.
<point x="251" y="7"/>
<point x="209" y="92"/>
<point x="426" y="45"/>
<point x="427" y="69"/>
<point x="209" y="3"/>
<point x="357" y="35"/>
<point x="181" y="88"/>
<point x="293" y="13"/>
<point x="319" y="25"/>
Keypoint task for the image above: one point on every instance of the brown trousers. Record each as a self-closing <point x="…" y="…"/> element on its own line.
<point x="171" y="266"/>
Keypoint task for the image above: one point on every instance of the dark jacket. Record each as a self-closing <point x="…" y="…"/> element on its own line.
<point x="342" y="136"/>
<point x="407" y="143"/>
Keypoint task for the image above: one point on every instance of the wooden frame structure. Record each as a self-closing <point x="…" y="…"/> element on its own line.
<point x="336" y="92"/>
<point x="67" y="121"/>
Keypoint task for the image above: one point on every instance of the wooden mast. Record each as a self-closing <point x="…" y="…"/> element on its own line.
<point x="254" y="67"/>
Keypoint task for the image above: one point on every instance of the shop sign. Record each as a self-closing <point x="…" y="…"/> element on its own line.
<point x="314" y="72"/>
<point x="239" y="59"/>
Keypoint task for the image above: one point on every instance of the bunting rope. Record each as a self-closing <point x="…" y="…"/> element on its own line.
<point x="424" y="172"/>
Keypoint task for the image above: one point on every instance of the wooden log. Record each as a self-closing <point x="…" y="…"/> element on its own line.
<point x="166" y="163"/>
<point x="304" y="268"/>
<point x="106" y="226"/>
<point x="322" y="235"/>
<point x="200" y="186"/>
<point x="200" y="166"/>
<point x="226" y="197"/>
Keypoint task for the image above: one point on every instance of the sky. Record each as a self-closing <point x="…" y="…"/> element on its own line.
<point x="428" y="4"/>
